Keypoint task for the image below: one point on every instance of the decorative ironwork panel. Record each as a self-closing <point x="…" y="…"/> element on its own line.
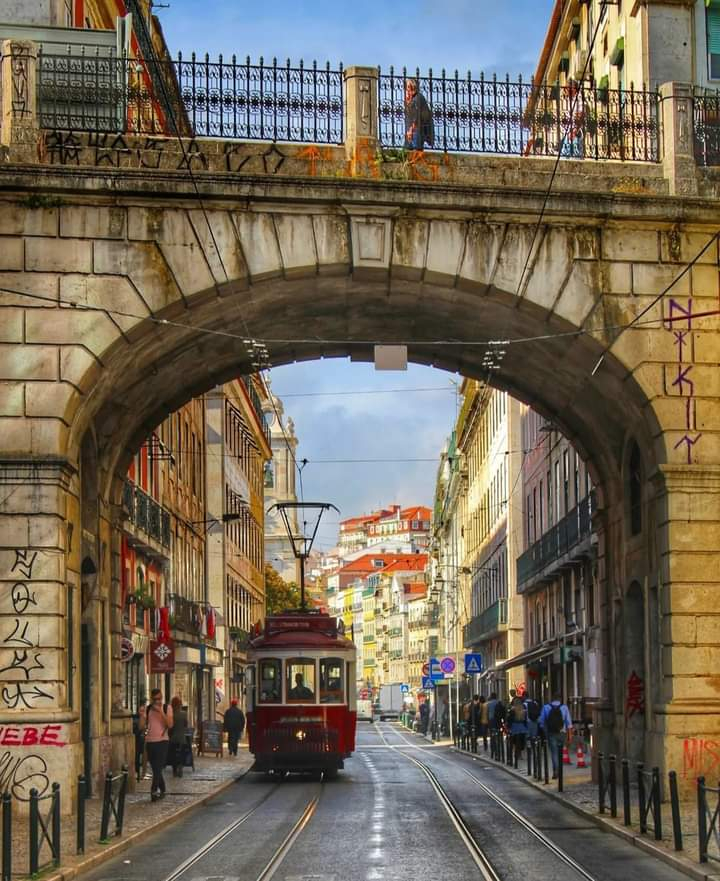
<point x="194" y="98"/>
<point x="275" y="102"/>
<point x="706" y="120"/>
<point x="462" y="114"/>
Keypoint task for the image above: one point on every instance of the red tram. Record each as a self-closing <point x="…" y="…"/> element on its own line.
<point x="301" y="699"/>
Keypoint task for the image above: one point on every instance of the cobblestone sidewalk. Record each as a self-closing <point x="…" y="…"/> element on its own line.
<point x="142" y="815"/>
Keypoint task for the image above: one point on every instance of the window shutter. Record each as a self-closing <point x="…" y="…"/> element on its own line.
<point x="713" y="27"/>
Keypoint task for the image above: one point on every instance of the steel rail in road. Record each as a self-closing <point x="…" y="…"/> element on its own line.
<point x="277" y="857"/>
<point x="506" y="806"/>
<point x="476" y="852"/>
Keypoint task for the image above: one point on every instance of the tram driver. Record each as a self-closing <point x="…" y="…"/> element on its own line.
<point x="301" y="691"/>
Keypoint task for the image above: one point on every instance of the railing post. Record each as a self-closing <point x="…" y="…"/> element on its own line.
<point x="56" y="832"/>
<point x="626" y="791"/>
<point x="601" y="783"/>
<point x="546" y="761"/>
<point x="675" y="808"/>
<point x="657" y="811"/>
<point x="361" y="117"/>
<point x="613" y="786"/>
<point x="121" y="800"/>
<point x="678" y="127"/>
<point x="6" y="836"/>
<point x="19" y="126"/>
<point x="107" y="797"/>
<point x="80" y="837"/>
<point x="561" y="770"/>
<point x="641" y="797"/>
<point x="702" y="821"/>
<point x="33" y="837"/>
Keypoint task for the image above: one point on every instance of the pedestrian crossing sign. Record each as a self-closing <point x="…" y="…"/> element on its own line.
<point x="427" y="683"/>
<point x="473" y="663"/>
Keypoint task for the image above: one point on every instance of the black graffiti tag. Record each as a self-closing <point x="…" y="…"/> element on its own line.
<point x="21" y="639"/>
<point x="23" y="695"/>
<point x="23" y="661"/>
<point x="21" y="597"/>
<point x="109" y="149"/>
<point x="24" y="562"/>
<point x="19" y="775"/>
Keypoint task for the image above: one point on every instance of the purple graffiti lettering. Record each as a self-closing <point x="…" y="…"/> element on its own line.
<point x="690" y="422"/>
<point x="680" y="342"/>
<point x="690" y="443"/>
<point x="683" y="379"/>
<point x="676" y="309"/>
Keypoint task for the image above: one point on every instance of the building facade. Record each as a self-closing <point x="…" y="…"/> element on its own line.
<point x="280" y="486"/>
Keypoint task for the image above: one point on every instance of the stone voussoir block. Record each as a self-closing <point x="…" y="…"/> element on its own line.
<point x="58" y="255"/>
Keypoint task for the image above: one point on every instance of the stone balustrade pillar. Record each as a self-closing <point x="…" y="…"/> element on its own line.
<point x="19" y="128"/>
<point x="361" y="116"/>
<point x="677" y="127"/>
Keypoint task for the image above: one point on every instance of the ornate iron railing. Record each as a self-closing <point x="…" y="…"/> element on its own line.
<point x="706" y="126"/>
<point x="485" y="625"/>
<point x="194" y="97"/>
<point x="518" y="118"/>
<point x="146" y="513"/>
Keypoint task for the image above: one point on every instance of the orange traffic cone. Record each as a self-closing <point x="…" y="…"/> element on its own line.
<point x="580" y="757"/>
<point x="566" y="756"/>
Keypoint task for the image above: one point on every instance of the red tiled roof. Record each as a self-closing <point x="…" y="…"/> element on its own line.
<point x="418" y="588"/>
<point x="407" y="563"/>
<point x="419" y="512"/>
<point x="365" y="563"/>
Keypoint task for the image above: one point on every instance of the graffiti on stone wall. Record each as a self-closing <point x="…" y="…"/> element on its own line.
<point x="634" y="696"/>
<point x="19" y="692"/>
<point x="701" y="758"/>
<point x="679" y="322"/>
<point x="20" y="83"/>
<point x="20" y="774"/>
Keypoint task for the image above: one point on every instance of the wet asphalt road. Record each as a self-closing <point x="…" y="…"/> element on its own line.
<point x="381" y="819"/>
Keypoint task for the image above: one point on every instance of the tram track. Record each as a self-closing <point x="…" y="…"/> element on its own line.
<point x="486" y="868"/>
<point x="278" y="855"/>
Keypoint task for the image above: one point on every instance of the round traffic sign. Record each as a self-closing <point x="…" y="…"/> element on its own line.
<point x="426" y="669"/>
<point x="447" y="665"/>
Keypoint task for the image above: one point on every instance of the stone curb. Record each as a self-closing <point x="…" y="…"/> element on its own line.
<point x="113" y="850"/>
<point x="681" y="864"/>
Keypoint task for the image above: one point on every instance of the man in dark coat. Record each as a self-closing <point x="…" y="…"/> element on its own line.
<point x="419" y="128"/>
<point x="234" y="724"/>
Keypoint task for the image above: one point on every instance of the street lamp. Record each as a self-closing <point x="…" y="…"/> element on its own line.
<point x="224" y="518"/>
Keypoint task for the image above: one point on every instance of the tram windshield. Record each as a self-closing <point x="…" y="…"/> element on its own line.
<point x="269" y="686"/>
<point x="331" y="681"/>
<point x="300" y="680"/>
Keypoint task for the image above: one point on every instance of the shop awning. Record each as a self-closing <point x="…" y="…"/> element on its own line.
<point x="527" y="657"/>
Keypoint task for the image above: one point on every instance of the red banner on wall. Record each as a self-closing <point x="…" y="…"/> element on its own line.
<point x="162" y="655"/>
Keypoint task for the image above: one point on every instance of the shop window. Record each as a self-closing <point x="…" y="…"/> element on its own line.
<point x="270" y="686"/>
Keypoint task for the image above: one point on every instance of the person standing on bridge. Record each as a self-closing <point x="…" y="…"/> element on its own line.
<point x="419" y="128"/>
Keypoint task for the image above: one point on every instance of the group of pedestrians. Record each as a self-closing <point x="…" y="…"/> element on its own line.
<point x="161" y="731"/>
<point x="521" y="718"/>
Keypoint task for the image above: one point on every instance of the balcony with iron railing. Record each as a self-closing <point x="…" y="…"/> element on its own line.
<point x="486" y="625"/>
<point x="146" y="514"/>
<point x="560" y="541"/>
<point x="257" y="406"/>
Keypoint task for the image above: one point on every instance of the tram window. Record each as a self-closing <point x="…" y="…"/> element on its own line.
<point x="270" y="682"/>
<point x="331" y="681"/>
<point x="300" y="680"/>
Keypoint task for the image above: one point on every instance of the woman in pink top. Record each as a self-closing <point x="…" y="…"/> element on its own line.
<point x="157" y="740"/>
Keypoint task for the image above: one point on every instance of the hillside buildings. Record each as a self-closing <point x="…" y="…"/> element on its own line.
<point x="402" y="528"/>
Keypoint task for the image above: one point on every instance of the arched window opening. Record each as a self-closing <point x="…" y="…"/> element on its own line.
<point x="635" y="479"/>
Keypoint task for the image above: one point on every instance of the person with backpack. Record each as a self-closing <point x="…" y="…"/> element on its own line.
<point x="159" y="718"/>
<point x="517" y="722"/>
<point x="532" y="712"/>
<point x="556" y="723"/>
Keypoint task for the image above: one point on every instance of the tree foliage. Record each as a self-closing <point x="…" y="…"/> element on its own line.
<point x="280" y="594"/>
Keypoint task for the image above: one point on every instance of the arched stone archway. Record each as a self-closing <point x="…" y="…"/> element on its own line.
<point x="160" y="300"/>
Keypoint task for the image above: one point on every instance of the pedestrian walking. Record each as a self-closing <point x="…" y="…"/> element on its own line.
<point x="532" y="713"/>
<point x="419" y="127"/>
<point x="484" y="720"/>
<point x="234" y="724"/>
<point x="157" y="740"/>
<point x="178" y="740"/>
<point x="517" y="722"/>
<point x="556" y="723"/>
<point x="424" y="716"/>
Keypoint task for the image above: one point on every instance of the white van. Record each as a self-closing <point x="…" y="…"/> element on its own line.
<point x="364" y="711"/>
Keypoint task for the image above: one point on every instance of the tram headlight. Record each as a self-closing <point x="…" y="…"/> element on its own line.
<point x="300" y="734"/>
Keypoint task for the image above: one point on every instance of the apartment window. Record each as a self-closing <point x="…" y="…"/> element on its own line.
<point x="541" y="512"/>
<point x="529" y="522"/>
<point x="557" y="490"/>
<point x="712" y="22"/>
<point x="535" y="520"/>
<point x="577" y="478"/>
<point x="68" y="13"/>
<point x="566" y="480"/>
<point x="549" y="500"/>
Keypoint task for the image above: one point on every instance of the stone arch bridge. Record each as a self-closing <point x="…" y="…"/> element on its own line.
<point x="134" y="271"/>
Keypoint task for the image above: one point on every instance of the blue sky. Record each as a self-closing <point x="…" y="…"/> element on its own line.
<point x="476" y="35"/>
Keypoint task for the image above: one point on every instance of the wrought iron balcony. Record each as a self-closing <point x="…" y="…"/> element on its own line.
<point x="146" y="513"/>
<point x="487" y="624"/>
<point x="257" y="406"/>
<point x="557" y="542"/>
